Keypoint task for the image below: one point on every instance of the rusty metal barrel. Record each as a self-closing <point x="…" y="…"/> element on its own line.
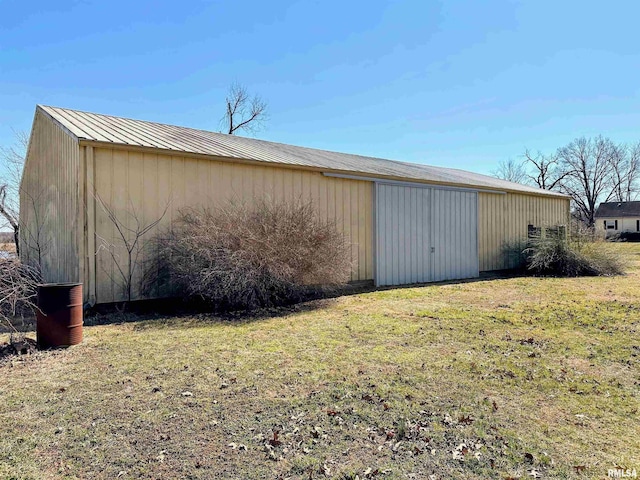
<point x="59" y="316"/>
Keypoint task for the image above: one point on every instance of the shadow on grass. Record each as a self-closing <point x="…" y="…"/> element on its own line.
<point x="178" y="313"/>
<point x="201" y="319"/>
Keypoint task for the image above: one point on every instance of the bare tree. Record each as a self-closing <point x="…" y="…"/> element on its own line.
<point x="588" y="174"/>
<point x="10" y="214"/>
<point x="131" y="239"/>
<point x="511" y="170"/>
<point x="12" y="162"/>
<point x="545" y="171"/>
<point x="625" y="168"/>
<point x="242" y="111"/>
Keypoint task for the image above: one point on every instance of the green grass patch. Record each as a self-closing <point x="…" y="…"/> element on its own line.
<point x="486" y="379"/>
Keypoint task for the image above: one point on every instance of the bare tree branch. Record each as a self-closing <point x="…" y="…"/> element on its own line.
<point x="12" y="162"/>
<point x="243" y="112"/>
<point x="545" y="170"/>
<point x="588" y="177"/>
<point x="511" y="170"/>
<point x="131" y="239"/>
<point x="625" y="168"/>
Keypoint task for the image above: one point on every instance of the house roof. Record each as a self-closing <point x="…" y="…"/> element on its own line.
<point x="618" y="209"/>
<point x="107" y="129"/>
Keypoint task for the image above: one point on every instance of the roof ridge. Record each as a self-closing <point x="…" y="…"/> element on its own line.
<point x="135" y="132"/>
<point x="261" y="140"/>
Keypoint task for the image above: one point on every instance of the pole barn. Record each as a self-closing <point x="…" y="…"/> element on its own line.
<point x="407" y="223"/>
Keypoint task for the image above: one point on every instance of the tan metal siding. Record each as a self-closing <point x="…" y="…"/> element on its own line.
<point x="146" y="183"/>
<point x="503" y="220"/>
<point x="50" y="206"/>
<point x="136" y="134"/>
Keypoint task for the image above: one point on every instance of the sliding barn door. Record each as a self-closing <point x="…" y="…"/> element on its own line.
<point x="425" y="234"/>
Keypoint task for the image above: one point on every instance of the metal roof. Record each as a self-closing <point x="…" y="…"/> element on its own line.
<point x="618" y="209"/>
<point x="95" y="127"/>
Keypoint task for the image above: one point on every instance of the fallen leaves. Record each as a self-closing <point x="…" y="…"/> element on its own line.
<point x="275" y="441"/>
<point x="465" y="420"/>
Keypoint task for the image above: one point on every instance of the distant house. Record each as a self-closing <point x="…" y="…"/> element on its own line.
<point x="618" y="217"/>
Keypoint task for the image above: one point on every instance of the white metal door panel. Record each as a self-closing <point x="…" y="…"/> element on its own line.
<point x="454" y="235"/>
<point x="424" y="234"/>
<point x="402" y="243"/>
<point x="402" y="234"/>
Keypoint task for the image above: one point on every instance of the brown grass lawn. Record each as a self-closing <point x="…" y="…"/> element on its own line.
<point x="502" y="378"/>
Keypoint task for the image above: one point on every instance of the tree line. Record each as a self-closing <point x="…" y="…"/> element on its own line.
<point x="589" y="170"/>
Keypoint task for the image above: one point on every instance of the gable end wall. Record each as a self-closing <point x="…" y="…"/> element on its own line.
<point x="51" y="231"/>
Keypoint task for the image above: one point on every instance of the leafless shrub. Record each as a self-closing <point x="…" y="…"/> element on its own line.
<point x="18" y="291"/>
<point x="239" y="256"/>
<point x="603" y="258"/>
<point x="551" y="252"/>
<point x="577" y="256"/>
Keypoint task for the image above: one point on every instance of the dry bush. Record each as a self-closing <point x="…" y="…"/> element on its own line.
<point x="578" y="256"/>
<point x="18" y="291"/>
<point x="603" y="258"/>
<point x="240" y="256"/>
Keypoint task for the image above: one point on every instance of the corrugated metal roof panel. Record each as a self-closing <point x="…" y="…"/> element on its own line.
<point x="124" y="131"/>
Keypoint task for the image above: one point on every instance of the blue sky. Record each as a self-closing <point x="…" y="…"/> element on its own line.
<point x="462" y="84"/>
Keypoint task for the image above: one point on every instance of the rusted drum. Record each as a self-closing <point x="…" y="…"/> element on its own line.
<point x="59" y="315"/>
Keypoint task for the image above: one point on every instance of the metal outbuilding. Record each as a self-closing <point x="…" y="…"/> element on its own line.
<point x="407" y="223"/>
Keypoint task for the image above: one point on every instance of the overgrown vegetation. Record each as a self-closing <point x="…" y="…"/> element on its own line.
<point x="554" y="255"/>
<point x="18" y="290"/>
<point x="525" y="377"/>
<point x="582" y="254"/>
<point x="239" y="256"/>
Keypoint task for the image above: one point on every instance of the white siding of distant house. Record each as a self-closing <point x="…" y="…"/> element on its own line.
<point x="625" y="224"/>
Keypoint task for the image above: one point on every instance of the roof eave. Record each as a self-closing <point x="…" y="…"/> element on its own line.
<point x="249" y="161"/>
